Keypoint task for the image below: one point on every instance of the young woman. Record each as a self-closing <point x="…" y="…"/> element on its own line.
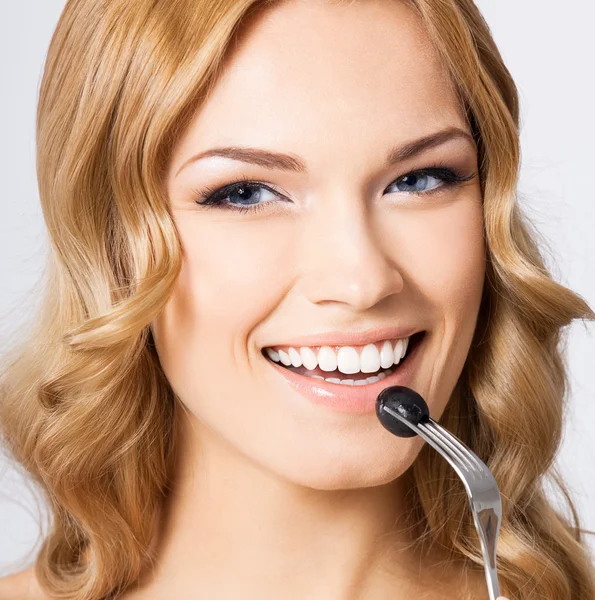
<point x="249" y="199"/>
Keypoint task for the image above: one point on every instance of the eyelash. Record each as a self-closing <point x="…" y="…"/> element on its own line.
<point x="215" y="197"/>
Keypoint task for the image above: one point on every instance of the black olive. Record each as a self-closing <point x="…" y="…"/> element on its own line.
<point x="407" y="403"/>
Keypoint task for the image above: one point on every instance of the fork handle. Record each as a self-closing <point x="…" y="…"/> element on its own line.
<point x="487" y="523"/>
<point x="492" y="581"/>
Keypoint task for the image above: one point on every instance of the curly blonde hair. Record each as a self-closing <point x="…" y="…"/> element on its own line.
<point x="85" y="407"/>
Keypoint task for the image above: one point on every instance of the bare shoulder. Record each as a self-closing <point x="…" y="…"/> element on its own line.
<point x="21" y="586"/>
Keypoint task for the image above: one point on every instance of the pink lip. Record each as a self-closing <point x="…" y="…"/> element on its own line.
<point x="342" y="338"/>
<point x="347" y="398"/>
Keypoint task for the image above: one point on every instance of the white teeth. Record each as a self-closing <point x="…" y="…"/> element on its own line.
<point x="308" y="358"/>
<point x="327" y="359"/>
<point x="284" y="358"/>
<point x="370" y="359"/>
<point x="387" y="355"/>
<point x="398" y="351"/>
<point x="273" y="354"/>
<point x="372" y="379"/>
<point x="405" y="344"/>
<point x="346" y="360"/>
<point x="296" y="359"/>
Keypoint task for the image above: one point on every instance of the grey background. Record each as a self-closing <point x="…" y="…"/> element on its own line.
<point x="549" y="49"/>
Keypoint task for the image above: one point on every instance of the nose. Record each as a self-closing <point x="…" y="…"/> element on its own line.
<point x="347" y="254"/>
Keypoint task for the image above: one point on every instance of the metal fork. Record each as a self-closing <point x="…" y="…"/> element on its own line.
<point x="481" y="487"/>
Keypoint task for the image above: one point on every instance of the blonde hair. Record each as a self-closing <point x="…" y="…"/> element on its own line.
<point x="85" y="407"/>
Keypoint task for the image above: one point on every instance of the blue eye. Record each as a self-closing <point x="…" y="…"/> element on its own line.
<point x="245" y="192"/>
<point x="245" y="195"/>
<point x="417" y="182"/>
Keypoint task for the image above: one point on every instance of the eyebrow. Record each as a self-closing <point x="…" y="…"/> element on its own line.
<point x="291" y="162"/>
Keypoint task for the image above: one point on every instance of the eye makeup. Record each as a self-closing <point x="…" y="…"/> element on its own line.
<point x="219" y="197"/>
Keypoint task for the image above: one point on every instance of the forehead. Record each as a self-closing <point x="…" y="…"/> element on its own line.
<point x="308" y="76"/>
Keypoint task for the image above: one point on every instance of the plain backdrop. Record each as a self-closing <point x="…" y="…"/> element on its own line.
<point x="549" y="49"/>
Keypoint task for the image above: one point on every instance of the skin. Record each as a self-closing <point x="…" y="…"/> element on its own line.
<point x="275" y="497"/>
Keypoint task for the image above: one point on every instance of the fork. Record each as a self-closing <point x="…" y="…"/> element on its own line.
<point x="481" y="487"/>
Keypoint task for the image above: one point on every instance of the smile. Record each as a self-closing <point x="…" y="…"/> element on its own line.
<point x="347" y="365"/>
<point x="348" y="392"/>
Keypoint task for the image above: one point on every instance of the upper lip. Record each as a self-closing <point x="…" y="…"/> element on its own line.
<point x="354" y="338"/>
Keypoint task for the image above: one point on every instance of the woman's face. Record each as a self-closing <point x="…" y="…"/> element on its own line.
<point x="344" y="243"/>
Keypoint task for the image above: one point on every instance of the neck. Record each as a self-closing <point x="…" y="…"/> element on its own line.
<point x="231" y="528"/>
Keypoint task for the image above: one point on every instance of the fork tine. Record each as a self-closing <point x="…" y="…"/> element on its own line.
<point x="464" y="450"/>
<point x="463" y="456"/>
<point x="430" y="437"/>
<point x="447" y="445"/>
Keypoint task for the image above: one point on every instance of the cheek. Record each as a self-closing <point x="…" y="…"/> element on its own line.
<point x="445" y="256"/>
<point x="232" y="271"/>
<point x="230" y="280"/>
<point x="448" y="270"/>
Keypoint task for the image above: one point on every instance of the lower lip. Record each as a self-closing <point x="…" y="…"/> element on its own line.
<point x="358" y="399"/>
